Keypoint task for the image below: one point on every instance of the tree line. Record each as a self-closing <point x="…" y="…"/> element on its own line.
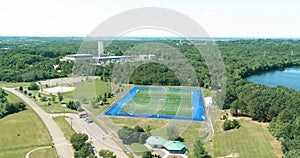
<point x="7" y="107"/>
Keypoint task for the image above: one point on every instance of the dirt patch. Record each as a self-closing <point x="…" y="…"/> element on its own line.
<point x="232" y="155"/>
<point x="177" y="156"/>
<point x="56" y="90"/>
<point x="277" y="148"/>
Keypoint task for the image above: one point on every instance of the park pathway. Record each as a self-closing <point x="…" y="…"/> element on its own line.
<point x="40" y="148"/>
<point x="61" y="144"/>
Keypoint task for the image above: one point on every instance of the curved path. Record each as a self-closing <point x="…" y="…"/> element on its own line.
<point x="100" y="139"/>
<point x="44" y="147"/>
<point x="61" y="144"/>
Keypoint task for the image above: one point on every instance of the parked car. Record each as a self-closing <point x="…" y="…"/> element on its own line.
<point x="88" y="120"/>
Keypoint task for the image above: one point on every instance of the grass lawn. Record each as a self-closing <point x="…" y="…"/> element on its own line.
<point x="64" y="126"/>
<point x="138" y="149"/>
<point x="43" y="153"/>
<point x="91" y="89"/>
<point x="252" y="139"/>
<point x="190" y="131"/>
<point x="88" y="90"/>
<point x="32" y="133"/>
<point x="14" y="84"/>
<point x="54" y="107"/>
<point x="160" y="101"/>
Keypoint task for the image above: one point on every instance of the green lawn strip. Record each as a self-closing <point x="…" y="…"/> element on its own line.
<point x="64" y="126"/>
<point x="13" y="84"/>
<point x="44" y="153"/>
<point x="251" y="140"/>
<point x="138" y="149"/>
<point x="22" y="132"/>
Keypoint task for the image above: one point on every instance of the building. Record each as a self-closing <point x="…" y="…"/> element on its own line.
<point x="147" y="57"/>
<point x="158" y="142"/>
<point x="103" y="59"/>
<point x="112" y="59"/>
<point x="175" y="147"/>
<point x="79" y="57"/>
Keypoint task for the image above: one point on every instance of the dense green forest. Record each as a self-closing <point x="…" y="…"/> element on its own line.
<point x="34" y="58"/>
<point x="7" y="107"/>
<point x="31" y="59"/>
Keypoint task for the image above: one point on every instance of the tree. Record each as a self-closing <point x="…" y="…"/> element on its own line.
<point x="199" y="150"/>
<point x="53" y="98"/>
<point x="86" y="151"/>
<point x="33" y="86"/>
<point x="21" y="88"/>
<point x="133" y="135"/>
<point x="71" y="105"/>
<point x="60" y="97"/>
<point x="172" y="133"/>
<point x="107" y="154"/>
<point x="43" y="98"/>
<point x="147" y="154"/>
<point x="94" y="103"/>
<point x="230" y="124"/>
<point x="78" y="140"/>
<point x="227" y="125"/>
<point x="148" y="129"/>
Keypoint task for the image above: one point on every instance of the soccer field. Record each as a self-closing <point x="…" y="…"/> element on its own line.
<point x="161" y="101"/>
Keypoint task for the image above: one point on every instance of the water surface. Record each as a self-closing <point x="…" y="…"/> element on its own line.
<point x="289" y="78"/>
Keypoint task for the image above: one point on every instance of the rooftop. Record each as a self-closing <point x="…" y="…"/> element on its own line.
<point x="156" y="140"/>
<point x="174" y="145"/>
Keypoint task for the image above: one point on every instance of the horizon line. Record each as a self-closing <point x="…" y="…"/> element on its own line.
<point x="212" y="37"/>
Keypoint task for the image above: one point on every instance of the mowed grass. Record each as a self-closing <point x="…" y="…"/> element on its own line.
<point x="188" y="130"/>
<point x="46" y="153"/>
<point x="31" y="130"/>
<point x="64" y="126"/>
<point x="90" y="89"/>
<point x="160" y="101"/>
<point x="250" y="140"/>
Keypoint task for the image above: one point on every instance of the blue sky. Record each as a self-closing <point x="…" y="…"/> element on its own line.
<point x="220" y="18"/>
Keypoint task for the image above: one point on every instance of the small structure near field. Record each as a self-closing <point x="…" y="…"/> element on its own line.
<point x="173" y="147"/>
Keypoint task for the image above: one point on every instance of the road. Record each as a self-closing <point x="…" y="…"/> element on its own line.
<point x="100" y="139"/>
<point x="62" y="146"/>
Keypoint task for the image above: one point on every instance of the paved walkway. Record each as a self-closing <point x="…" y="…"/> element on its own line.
<point x="44" y="147"/>
<point x="100" y="139"/>
<point x="61" y="144"/>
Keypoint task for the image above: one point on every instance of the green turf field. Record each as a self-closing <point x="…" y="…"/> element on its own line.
<point x="161" y="102"/>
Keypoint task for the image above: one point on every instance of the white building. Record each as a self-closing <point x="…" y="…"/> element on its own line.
<point x="147" y="57"/>
<point x="79" y="57"/>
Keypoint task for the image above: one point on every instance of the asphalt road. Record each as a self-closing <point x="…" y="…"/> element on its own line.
<point x="100" y="139"/>
<point x="62" y="146"/>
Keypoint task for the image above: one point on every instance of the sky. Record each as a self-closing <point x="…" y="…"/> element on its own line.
<point x="220" y="18"/>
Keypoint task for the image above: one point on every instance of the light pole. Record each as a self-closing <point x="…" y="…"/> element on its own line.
<point x="71" y="121"/>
